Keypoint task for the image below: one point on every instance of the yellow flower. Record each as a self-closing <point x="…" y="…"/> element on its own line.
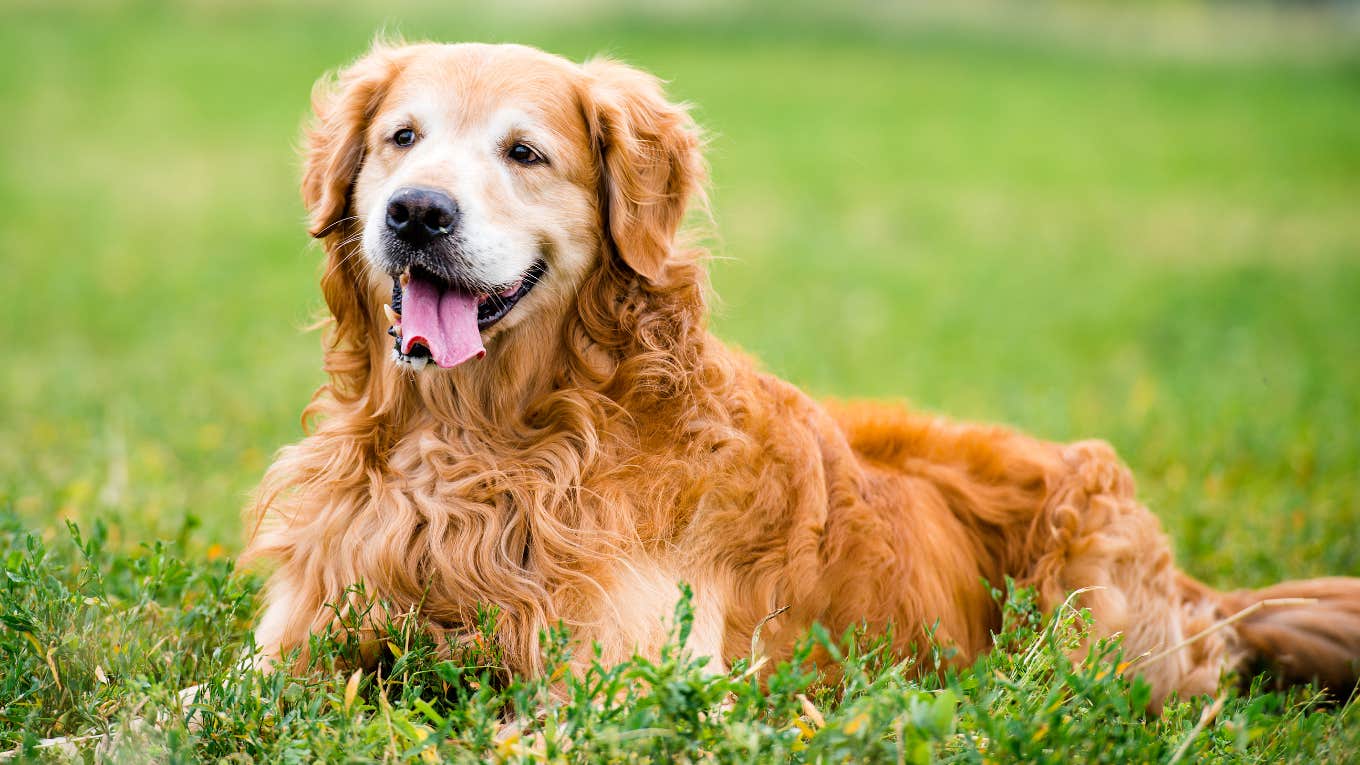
<point x="856" y="723"/>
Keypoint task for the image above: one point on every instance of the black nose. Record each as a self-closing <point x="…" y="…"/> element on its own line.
<point x="419" y="216"/>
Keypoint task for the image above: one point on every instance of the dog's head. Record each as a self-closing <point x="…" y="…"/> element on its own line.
<point x="474" y="188"/>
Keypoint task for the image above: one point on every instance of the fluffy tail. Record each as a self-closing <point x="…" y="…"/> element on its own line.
<point x="1300" y="631"/>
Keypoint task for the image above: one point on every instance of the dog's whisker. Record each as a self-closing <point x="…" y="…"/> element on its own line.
<point x="331" y="226"/>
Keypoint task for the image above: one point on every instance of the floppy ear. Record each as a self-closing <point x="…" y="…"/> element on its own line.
<point x="343" y="107"/>
<point x="649" y="160"/>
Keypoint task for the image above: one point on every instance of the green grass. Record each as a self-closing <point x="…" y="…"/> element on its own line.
<point x="134" y="629"/>
<point x="1160" y="250"/>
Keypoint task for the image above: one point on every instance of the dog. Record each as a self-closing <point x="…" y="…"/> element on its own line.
<point x="525" y="409"/>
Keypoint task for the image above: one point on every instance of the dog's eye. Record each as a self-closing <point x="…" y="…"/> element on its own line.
<point x="404" y="137"/>
<point x="523" y="154"/>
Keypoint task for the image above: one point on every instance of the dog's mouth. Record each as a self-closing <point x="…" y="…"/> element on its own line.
<point x="436" y="320"/>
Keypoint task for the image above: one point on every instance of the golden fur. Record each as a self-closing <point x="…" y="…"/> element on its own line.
<point x="608" y="446"/>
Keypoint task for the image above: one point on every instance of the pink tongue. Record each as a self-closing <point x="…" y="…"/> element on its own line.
<point x="445" y="321"/>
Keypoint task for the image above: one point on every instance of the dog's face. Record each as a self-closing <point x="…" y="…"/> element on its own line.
<point x="483" y="183"/>
<point x="478" y="173"/>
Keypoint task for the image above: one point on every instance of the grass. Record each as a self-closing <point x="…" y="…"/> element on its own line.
<point x="130" y="630"/>
<point x="1160" y="250"/>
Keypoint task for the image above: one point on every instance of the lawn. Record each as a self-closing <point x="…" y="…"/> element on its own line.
<point x="1159" y="249"/>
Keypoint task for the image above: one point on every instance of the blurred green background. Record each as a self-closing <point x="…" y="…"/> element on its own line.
<point x="1141" y="224"/>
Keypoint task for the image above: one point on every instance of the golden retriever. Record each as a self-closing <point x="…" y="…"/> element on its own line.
<point x="525" y="409"/>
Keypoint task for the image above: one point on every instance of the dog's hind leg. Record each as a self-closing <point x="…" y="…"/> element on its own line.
<point x="1179" y="634"/>
<point x="1092" y="534"/>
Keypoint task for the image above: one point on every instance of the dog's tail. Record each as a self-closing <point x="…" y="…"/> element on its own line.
<point x="1299" y="632"/>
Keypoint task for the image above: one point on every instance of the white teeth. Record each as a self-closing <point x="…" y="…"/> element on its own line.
<point x="416" y="363"/>
<point x="392" y="315"/>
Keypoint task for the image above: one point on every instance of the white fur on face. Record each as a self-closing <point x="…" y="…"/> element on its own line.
<point x="508" y="213"/>
<point x="468" y="108"/>
<point x="465" y="164"/>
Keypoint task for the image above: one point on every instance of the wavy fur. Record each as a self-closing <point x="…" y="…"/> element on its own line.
<point x="609" y="446"/>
